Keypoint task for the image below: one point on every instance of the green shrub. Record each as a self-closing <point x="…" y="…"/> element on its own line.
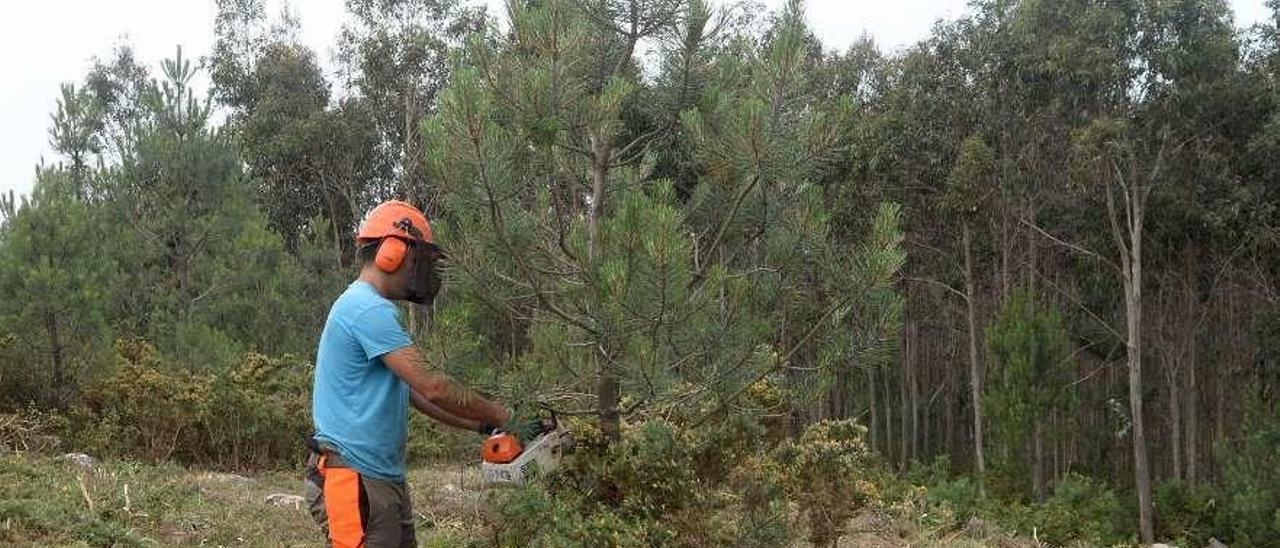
<point x="1080" y="510"/>
<point x="1250" y="513"/>
<point x="251" y="415"/>
<point x="1250" y="517"/>
<point x="956" y="497"/>
<point x="660" y="485"/>
<point x="258" y="414"/>
<point x="145" y="408"/>
<point x="825" y="473"/>
<point x="1184" y="512"/>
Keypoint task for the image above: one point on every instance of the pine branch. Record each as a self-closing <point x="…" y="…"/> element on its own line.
<point x="779" y="364"/>
<point x="724" y="225"/>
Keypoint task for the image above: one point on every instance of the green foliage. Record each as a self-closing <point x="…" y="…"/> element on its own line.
<point x="826" y="473"/>
<point x="1031" y="374"/>
<point x="707" y="234"/>
<point x="958" y="498"/>
<point x="1080" y="510"/>
<point x="1251" y="482"/>
<point x="54" y="280"/>
<point x="970" y="178"/>
<point x="252" y="415"/>
<point x="1032" y="363"/>
<point x="659" y="485"/>
<point x="272" y="399"/>
<point x="166" y="245"/>
<point x="593" y="275"/>
<point x="1186" y="512"/>
<point x="146" y="409"/>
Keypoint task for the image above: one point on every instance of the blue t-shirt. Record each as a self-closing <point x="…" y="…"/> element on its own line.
<point x="360" y="407"/>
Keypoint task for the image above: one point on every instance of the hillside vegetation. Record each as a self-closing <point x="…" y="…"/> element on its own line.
<point x="1019" y="280"/>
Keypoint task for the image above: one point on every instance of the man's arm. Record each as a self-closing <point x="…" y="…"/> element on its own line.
<point x="422" y="404"/>
<point x="437" y="388"/>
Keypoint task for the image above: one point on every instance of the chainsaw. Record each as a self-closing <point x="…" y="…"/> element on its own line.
<point x="507" y="460"/>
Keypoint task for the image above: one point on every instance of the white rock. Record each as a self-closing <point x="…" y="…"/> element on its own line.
<point x="1162" y="545"/>
<point x="1215" y="543"/>
<point x="234" y="479"/>
<point x="79" y="459"/>
<point x="284" y="500"/>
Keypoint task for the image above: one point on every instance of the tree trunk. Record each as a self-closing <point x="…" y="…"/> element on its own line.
<point x="58" y="362"/>
<point x="888" y="417"/>
<point x="1128" y="241"/>
<point x="1006" y="245"/>
<point x="1133" y="308"/>
<point x="1037" y="465"/>
<point x="1170" y="333"/>
<point x="1193" y="424"/>
<point x="1058" y="446"/>
<point x="975" y="369"/>
<point x="949" y="413"/>
<point x="913" y="387"/>
<point x="871" y="397"/>
<point x="1175" y="425"/>
<point x="904" y="406"/>
<point x="606" y="377"/>
<point x="926" y="422"/>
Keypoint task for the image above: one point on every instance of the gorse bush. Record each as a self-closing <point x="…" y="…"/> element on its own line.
<point x="645" y="490"/>
<point x="826" y="473"/>
<point x="252" y="415"/>
<point x="145" y="408"/>
<point x="666" y="485"/>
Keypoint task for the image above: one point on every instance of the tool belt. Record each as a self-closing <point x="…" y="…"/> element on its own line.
<point x="322" y="456"/>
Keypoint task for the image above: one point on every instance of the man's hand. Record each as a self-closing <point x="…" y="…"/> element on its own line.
<point x="438" y="389"/>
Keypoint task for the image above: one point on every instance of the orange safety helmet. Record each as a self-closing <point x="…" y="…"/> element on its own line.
<point x="501" y="448"/>
<point x="397" y="225"/>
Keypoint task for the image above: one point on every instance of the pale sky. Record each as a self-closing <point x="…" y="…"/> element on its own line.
<point x="46" y="42"/>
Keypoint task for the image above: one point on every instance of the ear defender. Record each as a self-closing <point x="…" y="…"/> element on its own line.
<point x="391" y="253"/>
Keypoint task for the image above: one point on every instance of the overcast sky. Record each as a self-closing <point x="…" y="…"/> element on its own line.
<point x="46" y="42"/>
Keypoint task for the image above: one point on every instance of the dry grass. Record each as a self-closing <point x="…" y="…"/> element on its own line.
<point x="46" y="502"/>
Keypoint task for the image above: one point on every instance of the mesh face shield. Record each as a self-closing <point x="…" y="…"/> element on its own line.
<point x="424" y="281"/>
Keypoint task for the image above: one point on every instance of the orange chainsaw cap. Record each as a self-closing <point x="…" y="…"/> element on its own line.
<point x="501" y="448"/>
<point x="394" y="218"/>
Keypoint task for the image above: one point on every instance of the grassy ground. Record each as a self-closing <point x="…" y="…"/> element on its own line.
<point x="49" y="502"/>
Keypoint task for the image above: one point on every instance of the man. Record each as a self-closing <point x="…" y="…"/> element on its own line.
<point x="367" y="375"/>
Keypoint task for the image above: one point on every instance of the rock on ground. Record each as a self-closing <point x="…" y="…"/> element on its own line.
<point x="233" y="479"/>
<point x="284" y="500"/>
<point x="79" y="459"/>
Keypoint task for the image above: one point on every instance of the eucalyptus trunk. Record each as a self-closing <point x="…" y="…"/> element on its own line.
<point x="975" y="368"/>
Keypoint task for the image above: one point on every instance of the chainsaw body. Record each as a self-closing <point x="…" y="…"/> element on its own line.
<point x="543" y="452"/>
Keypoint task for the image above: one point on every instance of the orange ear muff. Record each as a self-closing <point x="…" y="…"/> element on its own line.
<point x="391" y="254"/>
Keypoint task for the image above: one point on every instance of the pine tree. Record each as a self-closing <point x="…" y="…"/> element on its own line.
<point x="1032" y="371"/>
<point x="649" y="298"/>
<point x="54" y="275"/>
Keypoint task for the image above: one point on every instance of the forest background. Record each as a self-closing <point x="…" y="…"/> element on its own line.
<point x="1028" y="264"/>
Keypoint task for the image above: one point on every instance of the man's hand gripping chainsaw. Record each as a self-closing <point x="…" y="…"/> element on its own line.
<point x="511" y="455"/>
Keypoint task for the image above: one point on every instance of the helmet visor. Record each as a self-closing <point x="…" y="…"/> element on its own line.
<point x="425" y="281"/>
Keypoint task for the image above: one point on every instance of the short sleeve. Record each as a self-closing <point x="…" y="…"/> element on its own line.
<point x="378" y="331"/>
